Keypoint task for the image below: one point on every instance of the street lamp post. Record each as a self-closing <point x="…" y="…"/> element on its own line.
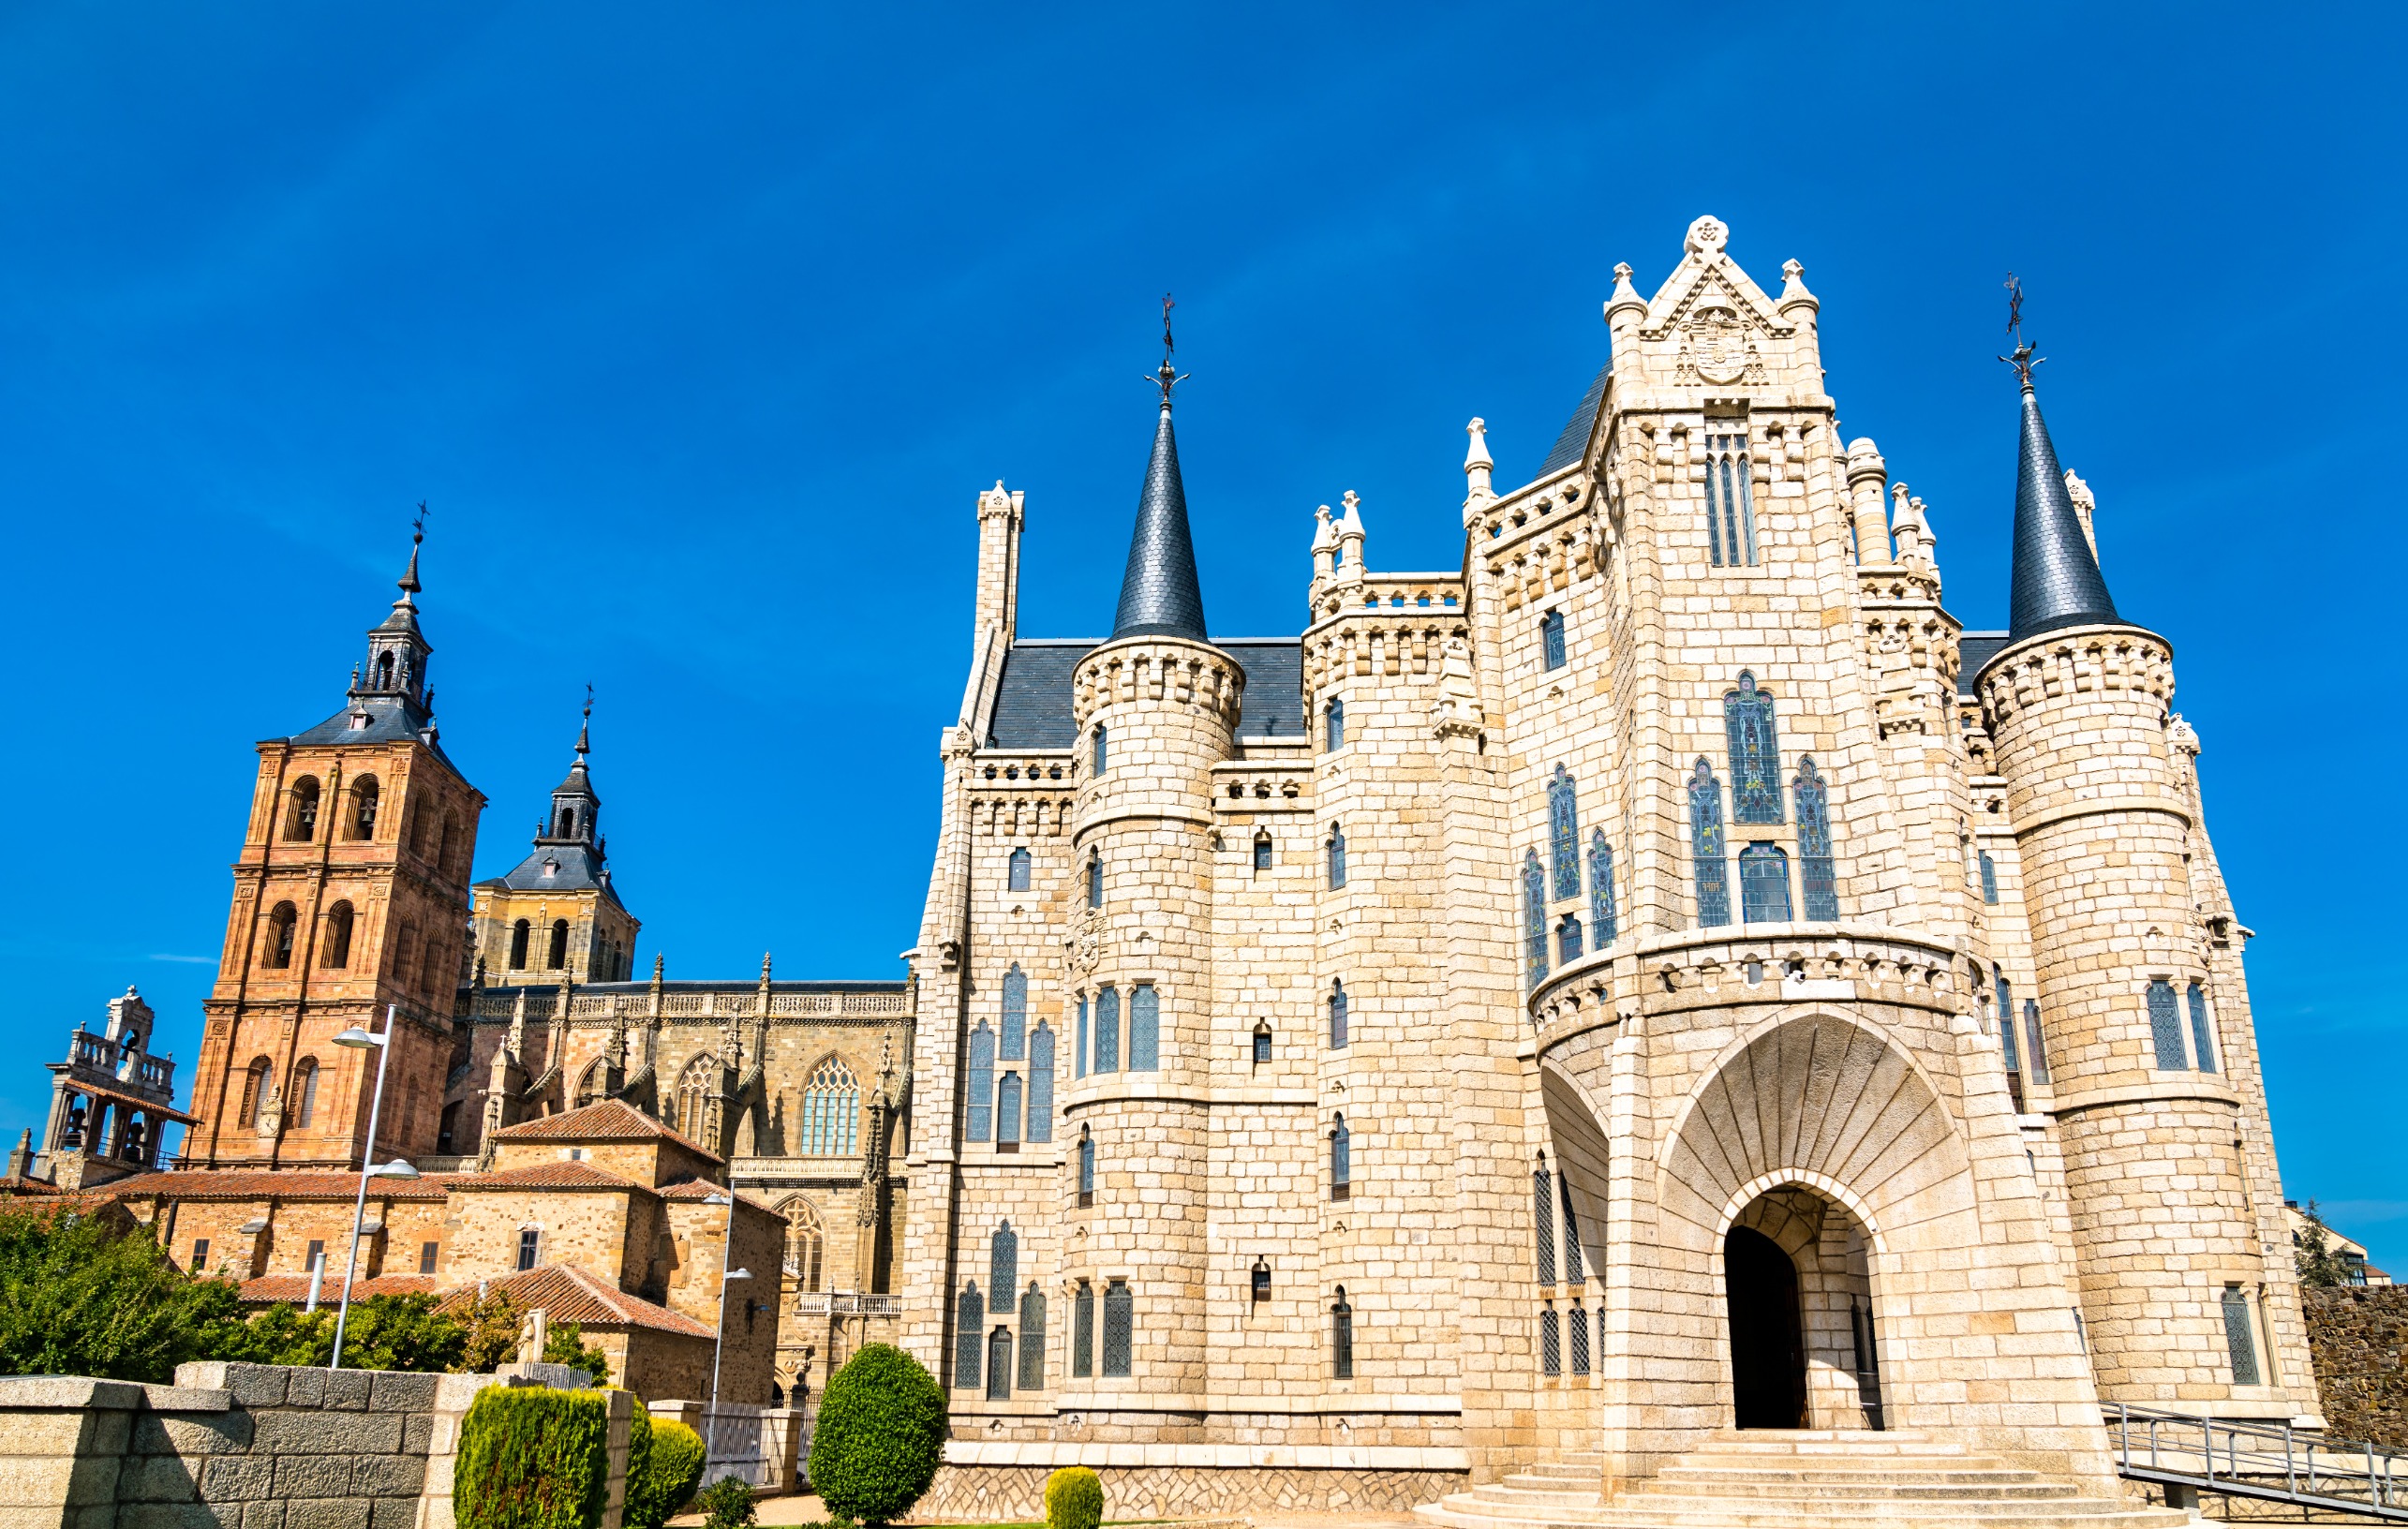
<point x="719" y="1342"/>
<point x="358" y="1038"/>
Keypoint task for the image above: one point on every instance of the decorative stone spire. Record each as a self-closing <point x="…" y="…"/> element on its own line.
<point x="1160" y="596"/>
<point x="1479" y="490"/>
<point x="1350" y="536"/>
<point x="1324" y="543"/>
<point x="398" y="650"/>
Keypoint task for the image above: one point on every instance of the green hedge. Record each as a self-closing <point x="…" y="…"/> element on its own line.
<point x="533" y="1458"/>
<point x="1073" y="1499"/>
<point x="880" y="1437"/>
<point x="670" y="1474"/>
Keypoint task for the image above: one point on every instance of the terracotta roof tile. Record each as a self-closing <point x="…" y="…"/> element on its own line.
<point x="562" y="1175"/>
<point x="261" y="1184"/>
<point x="607" y="1120"/>
<point x="270" y="1288"/>
<point x="568" y="1294"/>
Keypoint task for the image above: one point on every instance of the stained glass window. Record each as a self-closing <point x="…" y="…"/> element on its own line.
<point x="1818" y="878"/>
<point x="1542" y="1203"/>
<point x="2165" y="1026"/>
<point x="1572" y="1263"/>
<point x="1033" y="1338"/>
<point x="2007" y="1020"/>
<point x="1120" y="1311"/>
<point x="1041" y="1083"/>
<point x="969" y="1337"/>
<point x="1337" y="1016"/>
<point x="1989" y="871"/>
<point x="1550" y="638"/>
<point x="1755" y="753"/>
<point x="980" y="1083"/>
<point x="1564" y="833"/>
<point x="999" y="1362"/>
<point x="1078" y="1042"/>
<point x="1094" y="878"/>
<point x="1082" y="1332"/>
<point x="1764" y="885"/>
<point x="1342" y="1161"/>
<point x="1729" y="497"/>
<point x="1016" y="876"/>
<point x="1145" y="1028"/>
<point x="1085" y="1167"/>
<point x="2238" y="1337"/>
<point x="1705" y="848"/>
<point x="1551" y="1341"/>
<point x="1099" y="751"/>
<point x="2032" y="1034"/>
<point x="1337" y="857"/>
<point x="1341" y="1338"/>
<point x="1108" y="1031"/>
<point x="2202" y="1045"/>
<point x="1567" y="940"/>
<point x="1007" y="1107"/>
<point x="1336" y="715"/>
<point x="1534" y="917"/>
<point x="1016" y="1013"/>
<point x="1601" y="916"/>
<point x="1003" y="1264"/>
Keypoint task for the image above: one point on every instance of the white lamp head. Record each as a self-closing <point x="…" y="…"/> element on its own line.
<point x="358" y="1039"/>
<point x="739" y="1273"/>
<point x="397" y="1168"/>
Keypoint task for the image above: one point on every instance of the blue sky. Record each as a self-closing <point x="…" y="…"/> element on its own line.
<point x="699" y="331"/>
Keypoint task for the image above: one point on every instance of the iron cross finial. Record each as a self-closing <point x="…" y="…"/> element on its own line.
<point x="2023" y="361"/>
<point x="1169" y="377"/>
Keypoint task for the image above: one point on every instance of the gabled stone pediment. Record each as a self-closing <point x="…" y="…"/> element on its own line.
<point x="1707" y="282"/>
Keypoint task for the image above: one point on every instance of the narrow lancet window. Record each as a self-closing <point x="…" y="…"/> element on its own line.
<point x="969" y="1337"/>
<point x="979" y="1084"/>
<point x="1534" y="918"/>
<point x="1342" y="1161"/>
<point x="1082" y="1332"/>
<point x="2032" y="1034"/>
<point x="1099" y="749"/>
<point x="1729" y="497"/>
<point x="1003" y="1264"/>
<point x="1017" y="874"/>
<point x="1337" y="1016"/>
<point x="1989" y="871"/>
<point x="1016" y="1013"/>
<point x="2203" y="1046"/>
<point x="1764" y="885"/>
<point x="1601" y="916"/>
<point x="1817" y="874"/>
<point x="1108" y="1031"/>
<point x="1041" y="1083"/>
<point x="1564" y="833"/>
<point x="1085" y="1167"/>
<point x="1145" y="1028"/>
<point x="1755" y="753"/>
<point x="2238" y="1340"/>
<point x="1567" y="940"/>
<point x="1550" y="639"/>
<point x="1095" y="877"/>
<point x="1337" y="858"/>
<point x="1341" y="1338"/>
<point x="1705" y="848"/>
<point x="1033" y="1338"/>
<point x="2165" y="1026"/>
<point x="1334" y="715"/>
<point x="1078" y="1042"/>
<point x="1120" y="1319"/>
<point x="1542" y="1205"/>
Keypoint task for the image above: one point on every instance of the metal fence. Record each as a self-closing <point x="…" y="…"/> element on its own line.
<point x="2271" y="1461"/>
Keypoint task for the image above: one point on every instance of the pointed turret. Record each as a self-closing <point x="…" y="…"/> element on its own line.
<point x="576" y="808"/>
<point x="1159" y="593"/>
<point x="2056" y="577"/>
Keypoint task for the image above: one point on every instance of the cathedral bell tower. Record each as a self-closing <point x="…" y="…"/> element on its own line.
<point x="554" y="916"/>
<point x="350" y="897"/>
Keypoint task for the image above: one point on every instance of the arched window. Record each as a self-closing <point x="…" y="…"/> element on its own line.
<point x="1572" y="1257"/>
<point x="1342" y="1336"/>
<point x="518" y="933"/>
<point x="2203" y="1049"/>
<point x="1031" y="1375"/>
<point x="1334" y="715"/>
<point x="1120" y="1320"/>
<point x="404" y="950"/>
<point x="255" y="1084"/>
<point x="1015" y="1023"/>
<point x="1262" y="1042"/>
<point x="304" y="1092"/>
<point x="1550" y="639"/>
<point x="969" y="1336"/>
<point x="1007" y="1109"/>
<point x="2239" y="1344"/>
<point x="1337" y="858"/>
<point x="1004" y="1262"/>
<point x="1082" y="1332"/>
<point x="1262" y="851"/>
<point x="301" y="817"/>
<point x="1601" y="917"/>
<point x="978" y="1083"/>
<point x="2032" y="1034"/>
<point x="335" y="949"/>
<point x="1567" y="939"/>
<point x="1094" y="878"/>
<point x="435" y="963"/>
<point x="280" y="951"/>
<point x="1755" y="753"/>
<point x="999" y="1360"/>
<point x="1015" y="874"/>
<point x="1764" y="885"/>
<point x="1729" y="497"/>
<point x="1705" y="848"/>
<point x="697" y="1091"/>
<point x="1564" y="833"/>
<point x="558" y="956"/>
<point x="364" y="808"/>
<point x="444" y="845"/>
<point x="1989" y="874"/>
<point x="1145" y="1028"/>
<point x="805" y="1244"/>
<point x="1341" y="1159"/>
<point x="1259" y="1277"/>
<point x="831" y="1112"/>
<point x="1108" y="1031"/>
<point x="1078" y="1042"/>
<point x="590" y="1083"/>
<point x="1085" y="1167"/>
<point x="1542" y="1205"/>
<point x="1534" y="918"/>
<point x="1817" y="877"/>
<point x="2165" y="1026"/>
<point x="1099" y="749"/>
<point x="1041" y="1083"/>
<point x="1337" y="1014"/>
<point x="568" y="828"/>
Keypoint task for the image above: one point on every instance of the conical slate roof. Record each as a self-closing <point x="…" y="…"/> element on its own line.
<point x="1159" y="594"/>
<point x="2056" y="577"/>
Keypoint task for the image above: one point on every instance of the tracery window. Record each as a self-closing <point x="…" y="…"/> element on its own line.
<point x="1542" y="1204"/>
<point x="1033" y="1338"/>
<point x="1003" y="1263"/>
<point x="1041" y="1083"/>
<point x="1145" y="1028"/>
<point x="1989" y="871"/>
<point x="1337" y="858"/>
<point x="1818" y="875"/>
<point x="978" y="1084"/>
<point x="1341" y="1338"/>
<point x="1705" y="848"/>
<point x="1567" y="940"/>
<point x="1341" y="1159"/>
<point x="1108" y="1031"/>
<point x="1534" y="918"/>
<point x="969" y="1336"/>
<point x="1334" y="715"/>
<point x="1564" y="833"/>
<point x="1007" y="1109"/>
<point x="1755" y="753"/>
<point x="1082" y="1332"/>
<point x="831" y="1110"/>
<point x="1337" y="1016"/>
<point x="1729" y="497"/>
<point x="1550" y="639"/>
<point x="1601" y="914"/>
<point x="698" y="1087"/>
<point x="2165" y="1026"/>
<point x="305" y="1092"/>
<point x="1016" y="1013"/>
<point x="2203" y="1046"/>
<point x="1016" y="873"/>
<point x="1120" y="1317"/>
<point x="1764" y="885"/>
<point x="805" y="1245"/>
<point x="999" y="1360"/>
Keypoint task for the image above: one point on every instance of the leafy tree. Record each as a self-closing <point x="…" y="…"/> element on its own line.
<point x="880" y="1433"/>
<point x="566" y="1344"/>
<point x="81" y="1295"/>
<point x="2320" y="1267"/>
<point x="492" y="1323"/>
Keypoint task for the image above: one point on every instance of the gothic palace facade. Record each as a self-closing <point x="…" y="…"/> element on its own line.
<point x="1662" y="975"/>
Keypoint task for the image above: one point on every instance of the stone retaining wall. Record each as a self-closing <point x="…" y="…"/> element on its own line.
<point x="2358" y="1336"/>
<point x="995" y="1493"/>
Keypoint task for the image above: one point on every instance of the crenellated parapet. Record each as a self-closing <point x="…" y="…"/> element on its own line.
<point x="2101" y="660"/>
<point x="1153" y="669"/>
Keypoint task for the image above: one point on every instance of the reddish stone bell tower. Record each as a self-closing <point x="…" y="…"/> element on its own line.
<point x="351" y="895"/>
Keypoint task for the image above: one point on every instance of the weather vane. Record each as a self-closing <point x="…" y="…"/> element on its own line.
<point x="2023" y="361"/>
<point x="418" y="526"/>
<point x="1169" y="378"/>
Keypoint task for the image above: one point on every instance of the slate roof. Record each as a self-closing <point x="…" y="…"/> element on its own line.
<point x="1574" y="442"/>
<point x="607" y="1120"/>
<point x="1159" y="593"/>
<point x="392" y="718"/>
<point x="580" y="871"/>
<point x="2056" y="577"/>
<point x="1033" y="702"/>
<point x="1975" y="649"/>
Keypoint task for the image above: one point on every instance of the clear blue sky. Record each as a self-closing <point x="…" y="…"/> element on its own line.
<point x="699" y="330"/>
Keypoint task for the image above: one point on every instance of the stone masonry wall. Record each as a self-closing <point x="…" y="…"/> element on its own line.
<point x="2360" y="1341"/>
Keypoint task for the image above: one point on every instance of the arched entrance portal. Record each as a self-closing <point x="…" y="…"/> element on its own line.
<point x="1768" y="1369"/>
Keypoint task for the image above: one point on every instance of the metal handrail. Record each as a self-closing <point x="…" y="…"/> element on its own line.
<point x="2268" y="1461"/>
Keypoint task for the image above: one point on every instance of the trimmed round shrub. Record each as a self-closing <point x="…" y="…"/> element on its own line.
<point x="670" y="1474"/>
<point x="880" y="1437"/>
<point x="727" y="1504"/>
<point x="1073" y="1499"/>
<point x="533" y="1458"/>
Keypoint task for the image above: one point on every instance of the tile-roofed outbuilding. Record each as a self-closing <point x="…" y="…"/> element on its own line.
<point x="563" y="1175"/>
<point x="606" y="1120"/>
<point x="569" y="1293"/>
<point x="284" y="1184"/>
